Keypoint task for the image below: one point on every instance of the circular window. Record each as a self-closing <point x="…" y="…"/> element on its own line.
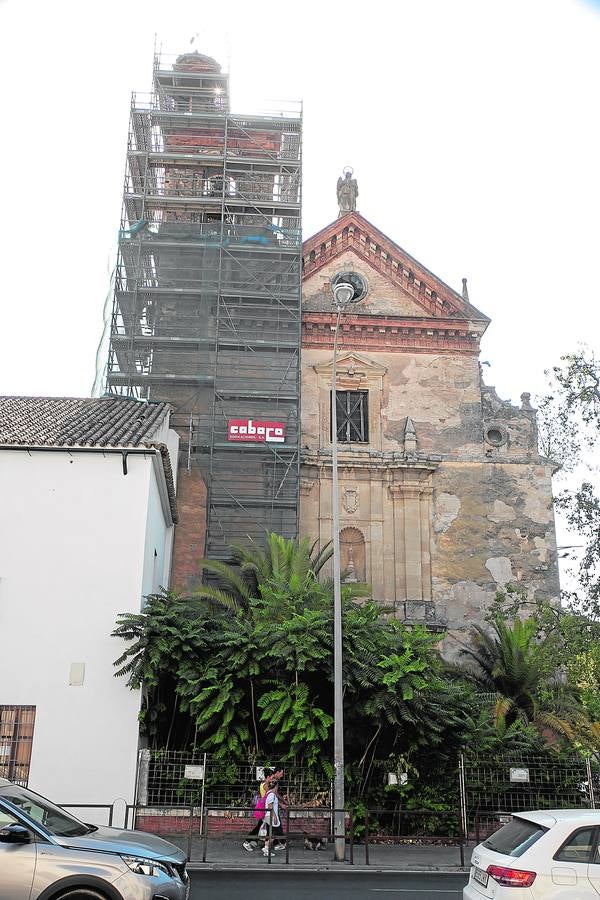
<point x="496" y="435"/>
<point x="358" y="282"/>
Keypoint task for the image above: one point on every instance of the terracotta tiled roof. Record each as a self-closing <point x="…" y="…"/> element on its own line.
<point x="85" y="422"/>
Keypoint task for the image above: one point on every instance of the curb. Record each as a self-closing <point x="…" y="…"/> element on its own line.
<point x="345" y="869"/>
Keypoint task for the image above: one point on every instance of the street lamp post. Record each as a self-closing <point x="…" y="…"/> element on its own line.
<point x="343" y="294"/>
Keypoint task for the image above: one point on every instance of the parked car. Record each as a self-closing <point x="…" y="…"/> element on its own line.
<point x="46" y="853"/>
<point x="552" y="854"/>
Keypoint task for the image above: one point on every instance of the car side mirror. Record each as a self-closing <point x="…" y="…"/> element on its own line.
<point x="14" y="834"/>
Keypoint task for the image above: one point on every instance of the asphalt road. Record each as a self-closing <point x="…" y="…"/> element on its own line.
<point x="333" y="886"/>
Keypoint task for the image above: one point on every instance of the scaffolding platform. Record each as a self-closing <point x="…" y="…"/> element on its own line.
<point x="207" y="297"/>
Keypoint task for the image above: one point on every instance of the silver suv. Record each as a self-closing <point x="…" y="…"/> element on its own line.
<point x="46" y="854"/>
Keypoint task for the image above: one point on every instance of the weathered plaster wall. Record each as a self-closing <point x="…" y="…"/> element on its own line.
<point x="440" y="392"/>
<point x="445" y="524"/>
<point x="492" y="524"/>
<point x="383" y="298"/>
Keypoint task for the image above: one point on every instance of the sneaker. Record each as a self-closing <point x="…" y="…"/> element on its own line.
<point x="248" y="846"/>
<point x="279" y="847"/>
<point x="265" y="851"/>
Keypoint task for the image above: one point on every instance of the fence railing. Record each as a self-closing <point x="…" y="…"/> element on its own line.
<point x="190" y="826"/>
<point x="83" y="806"/>
<point x="197" y="799"/>
<point x="324" y="814"/>
<point x="517" y="783"/>
<point x="172" y="778"/>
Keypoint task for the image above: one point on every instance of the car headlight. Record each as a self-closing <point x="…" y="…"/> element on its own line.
<point x="142" y="866"/>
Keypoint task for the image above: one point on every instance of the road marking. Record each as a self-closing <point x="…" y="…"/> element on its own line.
<point x="413" y="891"/>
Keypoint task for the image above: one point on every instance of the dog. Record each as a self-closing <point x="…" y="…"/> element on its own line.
<point x="313" y="842"/>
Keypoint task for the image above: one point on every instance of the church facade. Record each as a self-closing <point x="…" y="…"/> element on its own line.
<point x="444" y="497"/>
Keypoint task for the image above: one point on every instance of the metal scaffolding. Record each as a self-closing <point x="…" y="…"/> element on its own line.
<point x="206" y="311"/>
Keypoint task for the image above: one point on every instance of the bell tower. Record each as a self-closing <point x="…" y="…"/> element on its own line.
<point x="206" y="310"/>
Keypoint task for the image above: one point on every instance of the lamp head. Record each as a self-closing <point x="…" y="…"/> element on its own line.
<point x="343" y="293"/>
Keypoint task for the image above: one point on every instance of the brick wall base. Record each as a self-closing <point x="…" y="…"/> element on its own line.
<point x="220" y="824"/>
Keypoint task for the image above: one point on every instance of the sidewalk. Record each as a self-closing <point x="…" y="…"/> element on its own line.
<point x="228" y="854"/>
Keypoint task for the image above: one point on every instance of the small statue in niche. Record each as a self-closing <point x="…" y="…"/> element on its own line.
<point x="347" y="192"/>
<point x="350" y="569"/>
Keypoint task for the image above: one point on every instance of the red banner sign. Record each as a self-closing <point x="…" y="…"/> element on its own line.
<point x="251" y="430"/>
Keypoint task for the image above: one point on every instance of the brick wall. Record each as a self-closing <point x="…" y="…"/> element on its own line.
<point x="222" y="824"/>
<point x="190" y="533"/>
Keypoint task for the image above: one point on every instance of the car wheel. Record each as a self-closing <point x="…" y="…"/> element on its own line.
<point x="82" y="893"/>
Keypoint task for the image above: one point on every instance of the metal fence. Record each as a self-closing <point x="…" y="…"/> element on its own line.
<point x="176" y="789"/>
<point x="495" y="788"/>
<point x="183" y="778"/>
<point x="212" y="834"/>
<point x="204" y="805"/>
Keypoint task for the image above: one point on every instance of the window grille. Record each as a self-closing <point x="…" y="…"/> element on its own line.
<point x="16" y="738"/>
<point x="352" y="417"/>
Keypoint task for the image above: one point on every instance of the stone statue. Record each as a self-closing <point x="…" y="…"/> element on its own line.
<point x="350" y="570"/>
<point x="347" y="192"/>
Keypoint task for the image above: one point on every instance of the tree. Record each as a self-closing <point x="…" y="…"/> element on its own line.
<point x="164" y="637"/>
<point x="249" y="661"/>
<point x="295" y="564"/>
<point x="244" y="670"/>
<point x="569" y="430"/>
<point x="567" y="635"/>
<point x="511" y="664"/>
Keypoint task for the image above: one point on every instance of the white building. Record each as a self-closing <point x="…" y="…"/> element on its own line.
<point x="87" y="515"/>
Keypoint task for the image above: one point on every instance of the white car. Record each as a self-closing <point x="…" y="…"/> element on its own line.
<point x="549" y="855"/>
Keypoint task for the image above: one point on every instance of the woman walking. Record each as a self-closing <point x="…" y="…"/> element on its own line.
<point x="270" y="775"/>
<point x="272" y="819"/>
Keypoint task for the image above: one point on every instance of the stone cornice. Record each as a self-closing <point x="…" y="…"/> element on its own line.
<point x="398" y="465"/>
<point x="354" y="232"/>
<point x="363" y="332"/>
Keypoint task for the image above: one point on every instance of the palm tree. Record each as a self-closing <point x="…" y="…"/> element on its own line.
<point x="294" y="563"/>
<point x="516" y="669"/>
<point x="265" y="583"/>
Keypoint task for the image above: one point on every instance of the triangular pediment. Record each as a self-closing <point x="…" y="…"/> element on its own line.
<point x="353" y="364"/>
<point x="383" y="298"/>
<point x="398" y="284"/>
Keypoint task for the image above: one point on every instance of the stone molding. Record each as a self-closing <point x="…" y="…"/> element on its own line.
<point x="355" y="232"/>
<point x="398" y="537"/>
<point x="354" y="372"/>
<point x="349" y="361"/>
<point x="369" y="461"/>
<point x="306" y="486"/>
<point x="387" y="333"/>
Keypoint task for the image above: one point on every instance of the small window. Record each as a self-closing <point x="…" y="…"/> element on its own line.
<point x="357" y="281"/>
<point x="515" y="838"/>
<point x="496" y="435"/>
<point x="578" y="847"/>
<point x="16" y="737"/>
<point x="352" y="417"/>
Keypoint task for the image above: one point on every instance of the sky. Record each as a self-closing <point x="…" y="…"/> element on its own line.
<point x="472" y="127"/>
